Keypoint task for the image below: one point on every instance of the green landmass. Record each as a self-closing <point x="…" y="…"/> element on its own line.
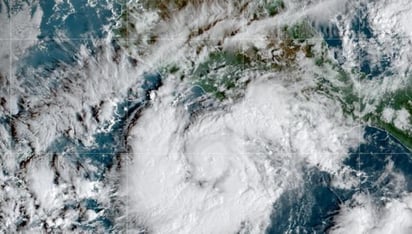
<point x="220" y="73"/>
<point x="273" y="7"/>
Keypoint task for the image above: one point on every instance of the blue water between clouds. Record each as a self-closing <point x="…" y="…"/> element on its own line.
<point x="308" y="209"/>
<point x="311" y="209"/>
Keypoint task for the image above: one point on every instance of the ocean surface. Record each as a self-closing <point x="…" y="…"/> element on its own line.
<point x="164" y="129"/>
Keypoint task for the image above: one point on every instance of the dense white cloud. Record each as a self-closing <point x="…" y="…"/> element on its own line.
<point x="218" y="172"/>
<point x="224" y="169"/>
<point x="366" y="217"/>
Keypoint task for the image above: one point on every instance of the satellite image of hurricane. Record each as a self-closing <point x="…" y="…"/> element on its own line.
<point x="206" y="116"/>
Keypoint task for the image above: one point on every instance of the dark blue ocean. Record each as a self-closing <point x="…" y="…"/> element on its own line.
<point x="309" y="209"/>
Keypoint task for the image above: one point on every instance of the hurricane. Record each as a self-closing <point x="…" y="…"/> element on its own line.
<point x="213" y="116"/>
